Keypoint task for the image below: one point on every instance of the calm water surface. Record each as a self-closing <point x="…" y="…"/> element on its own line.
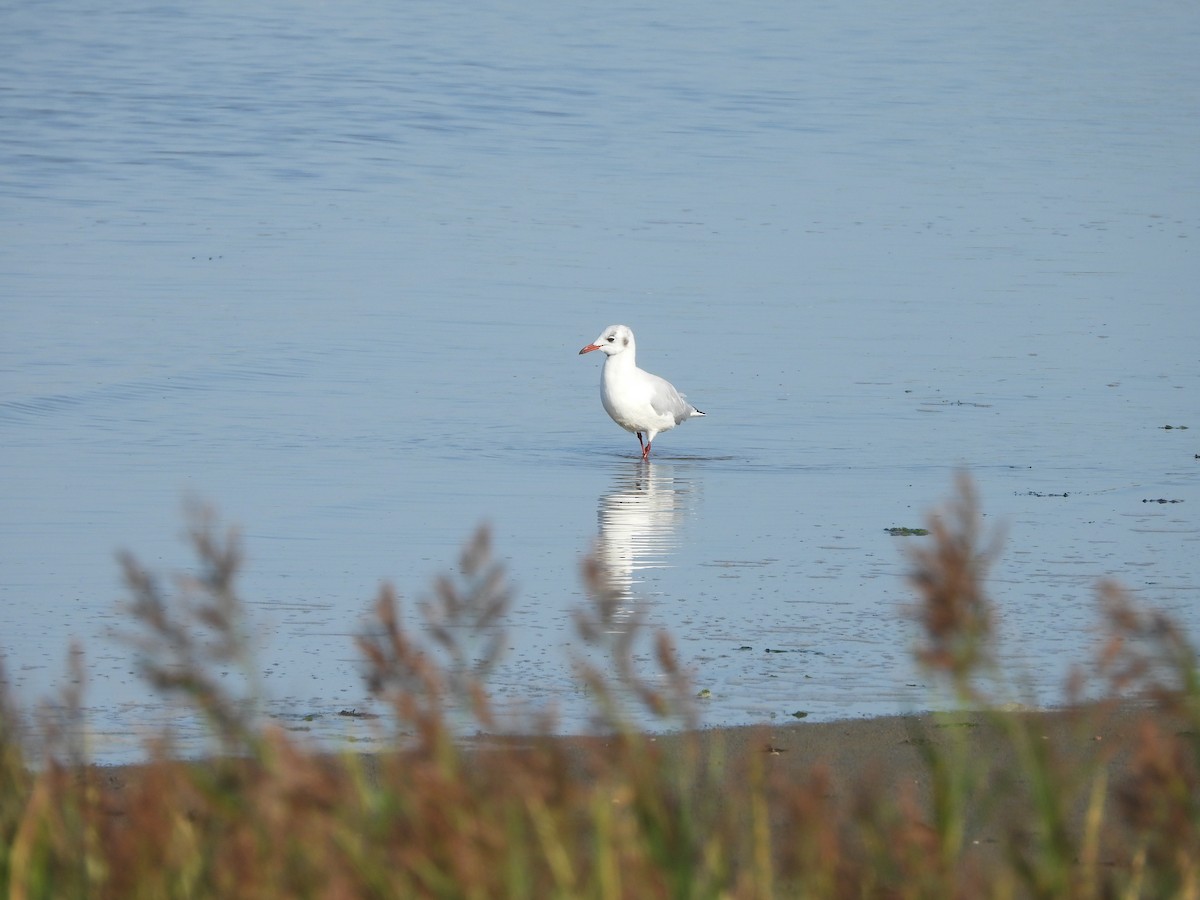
<point x="327" y="268"/>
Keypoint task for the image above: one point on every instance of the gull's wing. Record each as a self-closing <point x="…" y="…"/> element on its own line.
<point x="666" y="401"/>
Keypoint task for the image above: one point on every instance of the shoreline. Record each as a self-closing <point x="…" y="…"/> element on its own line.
<point x="886" y="749"/>
<point x="991" y="788"/>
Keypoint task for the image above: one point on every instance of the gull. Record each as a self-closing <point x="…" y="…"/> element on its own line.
<point x="636" y="400"/>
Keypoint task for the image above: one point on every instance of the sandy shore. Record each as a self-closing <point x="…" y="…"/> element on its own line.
<point x="882" y="757"/>
<point x="888" y="758"/>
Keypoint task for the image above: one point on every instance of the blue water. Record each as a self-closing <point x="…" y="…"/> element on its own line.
<point x="327" y="268"/>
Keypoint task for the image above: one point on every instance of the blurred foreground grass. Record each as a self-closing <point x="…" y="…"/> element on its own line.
<point x="627" y="814"/>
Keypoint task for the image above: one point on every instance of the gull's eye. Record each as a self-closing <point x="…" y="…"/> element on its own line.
<point x="611" y="338"/>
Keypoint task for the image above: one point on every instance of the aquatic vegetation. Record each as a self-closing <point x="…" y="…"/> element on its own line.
<point x="995" y="803"/>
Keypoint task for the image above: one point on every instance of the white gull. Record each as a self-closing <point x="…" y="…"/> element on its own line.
<point x="636" y="400"/>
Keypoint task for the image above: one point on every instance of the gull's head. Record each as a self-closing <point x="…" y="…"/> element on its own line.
<point x="614" y="339"/>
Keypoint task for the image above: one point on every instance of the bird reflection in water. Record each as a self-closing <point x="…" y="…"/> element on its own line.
<point x="639" y="519"/>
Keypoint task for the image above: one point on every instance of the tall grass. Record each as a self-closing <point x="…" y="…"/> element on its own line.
<point x="621" y="814"/>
